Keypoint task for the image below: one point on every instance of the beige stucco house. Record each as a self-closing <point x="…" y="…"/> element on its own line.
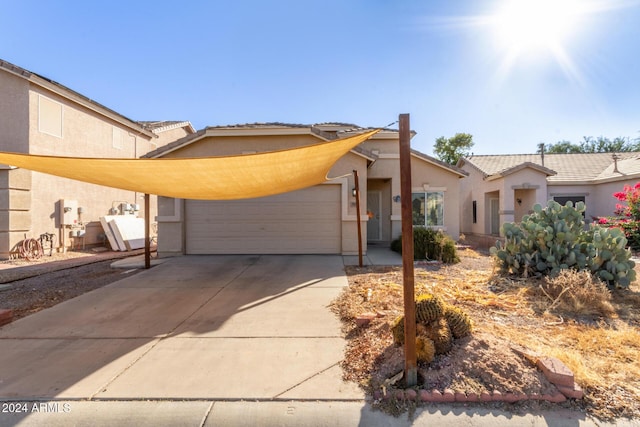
<point x="40" y="116"/>
<point x="504" y="188"/>
<point x="319" y="219"/>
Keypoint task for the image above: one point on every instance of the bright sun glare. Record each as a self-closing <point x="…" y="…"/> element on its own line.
<point x="525" y="29"/>
<point x="525" y="25"/>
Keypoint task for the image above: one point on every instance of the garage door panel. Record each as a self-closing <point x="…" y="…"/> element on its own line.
<point x="305" y="221"/>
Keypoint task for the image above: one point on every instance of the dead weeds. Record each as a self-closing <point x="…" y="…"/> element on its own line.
<point x="593" y="331"/>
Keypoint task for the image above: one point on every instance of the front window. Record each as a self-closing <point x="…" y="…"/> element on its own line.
<point x="574" y="199"/>
<point x="428" y="209"/>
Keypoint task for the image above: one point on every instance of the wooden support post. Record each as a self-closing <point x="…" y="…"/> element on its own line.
<point x="411" y="365"/>
<point x="147" y="232"/>
<point x="358" y="220"/>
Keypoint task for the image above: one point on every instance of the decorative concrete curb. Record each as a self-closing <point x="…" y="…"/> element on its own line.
<point x="553" y="369"/>
<point x="451" y="396"/>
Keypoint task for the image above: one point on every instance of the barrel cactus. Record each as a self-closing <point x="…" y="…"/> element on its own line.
<point x="436" y="334"/>
<point x="425" y="349"/>
<point x="428" y="308"/>
<point x="397" y="330"/>
<point x="459" y="322"/>
<point x="438" y="331"/>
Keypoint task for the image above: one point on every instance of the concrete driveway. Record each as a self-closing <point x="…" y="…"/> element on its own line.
<point x="196" y="327"/>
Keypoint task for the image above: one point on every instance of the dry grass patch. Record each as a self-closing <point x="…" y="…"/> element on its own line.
<point x="572" y="317"/>
<point x="573" y="293"/>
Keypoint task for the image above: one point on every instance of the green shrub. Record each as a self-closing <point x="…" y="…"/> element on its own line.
<point x="554" y="238"/>
<point x="396" y="245"/>
<point x="430" y="244"/>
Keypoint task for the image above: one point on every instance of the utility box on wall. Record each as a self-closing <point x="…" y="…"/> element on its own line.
<point x="68" y="212"/>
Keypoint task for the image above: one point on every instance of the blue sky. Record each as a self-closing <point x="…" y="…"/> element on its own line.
<point x="453" y="65"/>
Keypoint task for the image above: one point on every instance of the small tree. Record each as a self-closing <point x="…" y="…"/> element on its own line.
<point x="449" y="150"/>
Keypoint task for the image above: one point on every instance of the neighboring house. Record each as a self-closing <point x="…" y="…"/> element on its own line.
<point x="40" y="116"/>
<point x="319" y="219"/>
<point x="504" y="188"/>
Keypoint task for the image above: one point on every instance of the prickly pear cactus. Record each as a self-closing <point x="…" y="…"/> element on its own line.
<point x="554" y="239"/>
<point x="608" y="257"/>
<point x="428" y="308"/>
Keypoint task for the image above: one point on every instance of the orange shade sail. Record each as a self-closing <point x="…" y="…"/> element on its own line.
<point x="208" y="178"/>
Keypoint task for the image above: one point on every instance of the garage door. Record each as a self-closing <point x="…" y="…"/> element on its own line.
<point x="301" y="222"/>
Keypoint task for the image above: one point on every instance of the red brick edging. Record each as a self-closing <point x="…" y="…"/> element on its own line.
<point x="554" y="370"/>
<point x="450" y="396"/>
<point x="6" y="316"/>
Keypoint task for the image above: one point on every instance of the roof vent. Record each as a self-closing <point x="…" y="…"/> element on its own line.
<point x="615" y="158"/>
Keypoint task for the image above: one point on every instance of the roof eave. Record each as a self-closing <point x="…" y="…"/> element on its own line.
<point x="185" y="124"/>
<point x="464" y="161"/>
<point x="362" y="152"/>
<point x="596" y="180"/>
<point x="74" y="96"/>
<point x="428" y="159"/>
<point x="518" y="168"/>
<point x="230" y="131"/>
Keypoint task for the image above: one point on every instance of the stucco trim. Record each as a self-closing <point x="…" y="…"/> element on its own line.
<point x="427" y="187"/>
<point x="177" y="213"/>
<point x="525" y="186"/>
<point x="568" y="194"/>
<point x="345" y="194"/>
<point x="41" y="114"/>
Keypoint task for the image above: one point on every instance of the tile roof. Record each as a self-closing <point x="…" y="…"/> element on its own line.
<point x="568" y="167"/>
<point x="318" y="131"/>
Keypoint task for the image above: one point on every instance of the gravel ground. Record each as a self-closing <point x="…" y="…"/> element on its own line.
<point x="29" y="288"/>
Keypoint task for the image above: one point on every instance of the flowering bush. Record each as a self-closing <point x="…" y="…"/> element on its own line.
<point x="630" y="195"/>
<point x="628" y="219"/>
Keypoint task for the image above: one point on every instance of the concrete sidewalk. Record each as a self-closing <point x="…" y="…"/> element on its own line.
<point x="209" y="413"/>
<point x="376" y="255"/>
